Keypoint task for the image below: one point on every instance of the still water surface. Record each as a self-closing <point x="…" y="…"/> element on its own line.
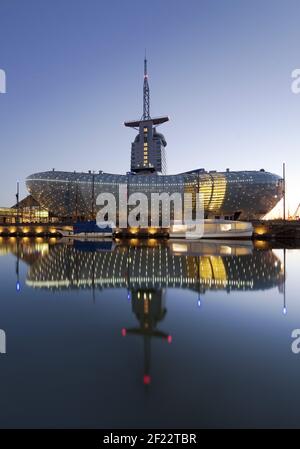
<point x="148" y="334"/>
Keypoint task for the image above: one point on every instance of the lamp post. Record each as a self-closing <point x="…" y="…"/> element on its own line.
<point x="76" y="202"/>
<point x="93" y="196"/>
<point x="283" y="176"/>
<point x="17" y="198"/>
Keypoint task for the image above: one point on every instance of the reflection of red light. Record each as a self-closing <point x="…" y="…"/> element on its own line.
<point x="124" y="332"/>
<point x="147" y="379"/>
<point x="169" y="339"/>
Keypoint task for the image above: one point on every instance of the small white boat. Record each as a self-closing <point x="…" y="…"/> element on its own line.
<point x="212" y="229"/>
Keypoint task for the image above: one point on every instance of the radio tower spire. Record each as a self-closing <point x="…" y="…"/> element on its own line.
<point x="146" y="93"/>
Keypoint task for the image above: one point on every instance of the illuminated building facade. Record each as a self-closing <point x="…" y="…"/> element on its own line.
<point x="26" y="211"/>
<point x="232" y="195"/>
<point x="229" y="194"/>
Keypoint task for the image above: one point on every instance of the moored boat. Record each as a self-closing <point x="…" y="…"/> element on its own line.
<point x="212" y="229"/>
<point x="88" y="230"/>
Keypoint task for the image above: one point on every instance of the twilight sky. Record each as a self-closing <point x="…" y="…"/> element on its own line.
<point x="220" y="69"/>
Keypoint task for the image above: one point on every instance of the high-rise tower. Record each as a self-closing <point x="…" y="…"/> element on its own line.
<point x="148" y="148"/>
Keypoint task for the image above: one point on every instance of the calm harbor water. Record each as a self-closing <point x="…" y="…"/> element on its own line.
<point x="148" y="334"/>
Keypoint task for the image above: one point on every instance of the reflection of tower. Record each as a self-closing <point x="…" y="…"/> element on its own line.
<point x="149" y="308"/>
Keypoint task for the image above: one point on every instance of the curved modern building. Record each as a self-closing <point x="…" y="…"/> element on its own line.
<point x="229" y="194"/>
<point x="236" y="195"/>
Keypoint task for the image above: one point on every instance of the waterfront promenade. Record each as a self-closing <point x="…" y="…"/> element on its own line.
<point x="262" y="230"/>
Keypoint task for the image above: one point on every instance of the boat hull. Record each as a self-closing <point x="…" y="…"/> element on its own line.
<point x="213" y="229"/>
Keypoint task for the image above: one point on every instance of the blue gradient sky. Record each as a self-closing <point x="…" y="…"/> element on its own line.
<point x="220" y="69"/>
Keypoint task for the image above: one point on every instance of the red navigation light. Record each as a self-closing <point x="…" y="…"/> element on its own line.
<point x="123" y="332"/>
<point x="147" y="379"/>
<point x="169" y="338"/>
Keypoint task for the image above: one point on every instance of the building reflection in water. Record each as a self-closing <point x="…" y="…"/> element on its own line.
<point x="146" y="269"/>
